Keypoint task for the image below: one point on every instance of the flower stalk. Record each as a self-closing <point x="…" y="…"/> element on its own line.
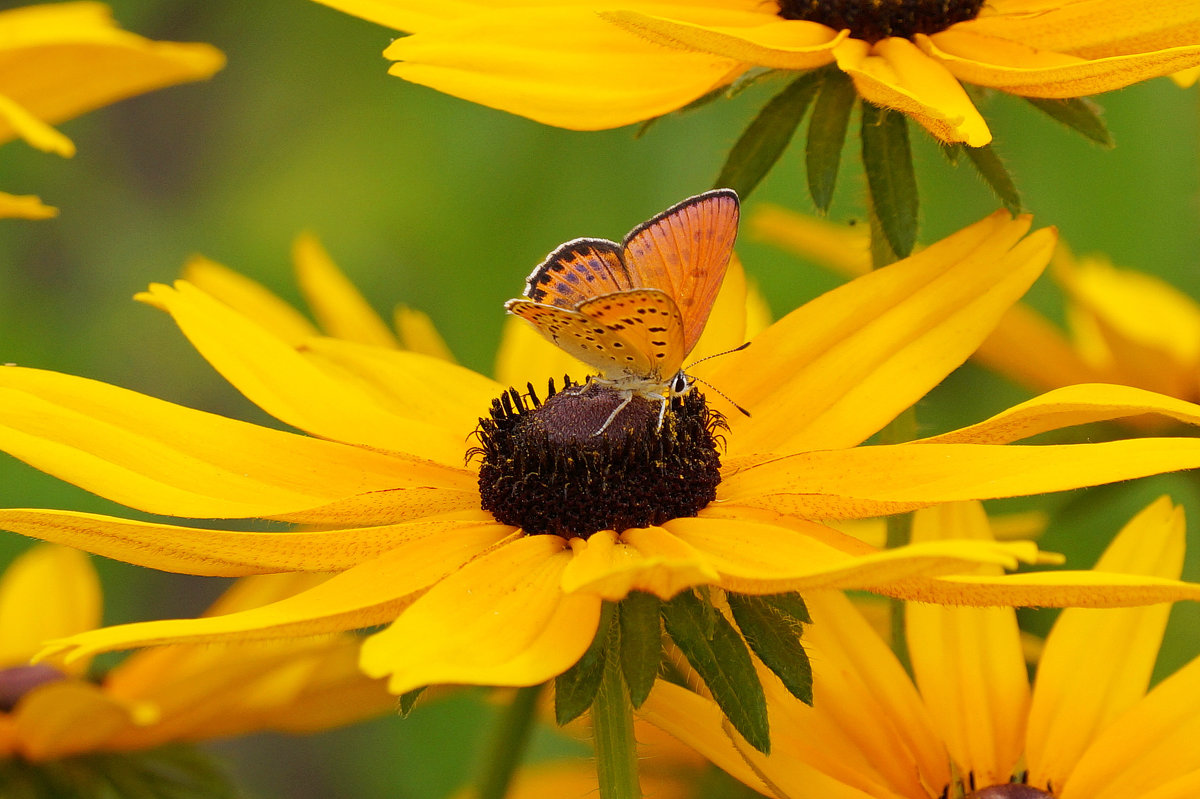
<point x="612" y="730"/>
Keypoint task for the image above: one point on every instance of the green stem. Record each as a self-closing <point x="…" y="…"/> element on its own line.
<point x="612" y="729"/>
<point x="509" y="739"/>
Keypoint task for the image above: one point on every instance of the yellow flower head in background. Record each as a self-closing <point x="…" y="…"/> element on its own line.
<point x="594" y="65"/>
<point x="52" y="710"/>
<point x="60" y="60"/>
<point x="393" y="506"/>
<point x="971" y="724"/>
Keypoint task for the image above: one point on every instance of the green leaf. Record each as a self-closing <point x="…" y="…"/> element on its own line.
<point x="723" y="662"/>
<point x="992" y="170"/>
<point x="773" y="631"/>
<point x="765" y="139"/>
<point x="827" y="136"/>
<point x="641" y="643"/>
<point x="575" y="689"/>
<point x="408" y="701"/>
<point x="790" y="604"/>
<point x="1080" y="114"/>
<point x="952" y="150"/>
<point x="887" y="160"/>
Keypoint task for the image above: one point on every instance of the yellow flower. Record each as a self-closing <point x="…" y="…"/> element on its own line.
<point x="61" y="60"/>
<point x="1086" y="729"/>
<point x="1123" y="326"/>
<point x="51" y="710"/>
<point x="592" y="65"/>
<point x="393" y="506"/>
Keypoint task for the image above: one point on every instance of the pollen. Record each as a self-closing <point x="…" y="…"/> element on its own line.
<point x="872" y="20"/>
<point x="556" y="468"/>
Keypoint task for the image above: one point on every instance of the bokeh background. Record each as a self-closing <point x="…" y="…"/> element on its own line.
<point x="445" y="206"/>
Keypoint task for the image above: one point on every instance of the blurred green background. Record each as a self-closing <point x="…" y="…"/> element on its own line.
<point x="445" y="206"/>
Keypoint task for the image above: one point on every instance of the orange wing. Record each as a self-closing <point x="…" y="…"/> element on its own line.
<point x="577" y="271"/>
<point x="684" y="252"/>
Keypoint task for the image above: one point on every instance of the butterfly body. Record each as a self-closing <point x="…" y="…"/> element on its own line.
<point x="635" y="310"/>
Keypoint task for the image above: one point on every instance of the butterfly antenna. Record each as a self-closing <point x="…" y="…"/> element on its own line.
<point x="716" y="355"/>
<point x="719" y="391"/>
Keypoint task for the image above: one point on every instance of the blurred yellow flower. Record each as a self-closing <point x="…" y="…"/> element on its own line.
<point x="395" y="511"/>
<point x="593" y="65"/>
<point x="1123" y="326"/>
<point x="60" y="60"/>
<point x="51" y="710"/>
<point x="971" y="723"/>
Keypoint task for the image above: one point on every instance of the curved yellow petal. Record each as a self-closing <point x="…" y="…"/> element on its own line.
<point x="518" y="60"/>
<point x="1097" y="663"/>
<point x="373" y="592"/>
<point x="895" y="74"/>
<point x="478" y="624"/>
<point x="836" y="370"/>
<point x="339" y="307"/>
<point x="758" y="558"/>
<point x="24" y="206"/>
<point x="726" y="327"/>
<point x="249" y="298"/>
<point x="47" y="592"/>
<point x="284" y="383"/>
<point x="1028" y="348"/>
<point x="63" y="59"/>
<point x="418" y="334"/>
<point x="525" y="356"/>
<point x="1020" y="69"/>
<point x="404" y="16"/>
<point x="648" y="559"/>
<point x="879" y="480"/>
<point x="1066" y="407"/>
<point x="68" y="717"/>
<point x="843" y="249"/>
<point x="167" y="459"/>
<point x="1094" y="28"/>
<point x="227" y="553"/>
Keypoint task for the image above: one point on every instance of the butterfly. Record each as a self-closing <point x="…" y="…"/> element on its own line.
<point x="635" y="310"/>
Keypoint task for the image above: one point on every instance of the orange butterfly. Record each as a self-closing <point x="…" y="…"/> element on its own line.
<point x="635" y="310"/>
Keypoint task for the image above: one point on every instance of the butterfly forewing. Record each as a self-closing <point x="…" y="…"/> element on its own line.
<point x="684" y="252"/>
<point x="576" y="271"/>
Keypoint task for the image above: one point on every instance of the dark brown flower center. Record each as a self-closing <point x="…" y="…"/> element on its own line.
<point x="592" y="458"/>
<point x="17" y="681"/>
<point x="872" y="20"/>
<point x="1010" y="790"/>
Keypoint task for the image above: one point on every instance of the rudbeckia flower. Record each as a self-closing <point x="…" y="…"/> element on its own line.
<point x="971" y="724"/>
<point x="391" y="501"/>
<point x="1122" y="326"/>
<point x="594" y="65"/>
<point x="52" y="711"/>
<point x="61" y="60"/>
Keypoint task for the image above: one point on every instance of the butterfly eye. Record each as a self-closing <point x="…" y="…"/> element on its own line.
<point x="680" y="384"/>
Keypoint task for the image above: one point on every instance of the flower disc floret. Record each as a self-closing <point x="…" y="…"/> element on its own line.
<point x="1012" y="790"/>
<point x="872" y="20"/>
<point x="564" y="467"/>
<point x="16" y="681"/>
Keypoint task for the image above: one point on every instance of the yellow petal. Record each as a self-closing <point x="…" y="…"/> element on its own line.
<point x="418" y="334"/>
<point x="836" y="370"/>
<point x="339" y="307"/>
<point x="249" y="298"/>
<point x="878" y="480"/>
<point x="1186" y="78"/>
<point x="68" y="717"/>
<point x="171" y="460"/>
<point x="47" y="592"/>
<point x="750" y="38"/>
<point x="764" y="559"/>
<point x="650" y="560"/>
<point x="25" y="206"/>
<point x="1069" y="406"/>
<point x="726" y="328"/>
<point x="845" y="250"/>
<point x="64" y="59"/>
<point x="37" y="133"/>
<point x="284" y="383"/>
<point x="968" y="662"/>
<point x="227" y="553"/>
<point x="517" y="60"/>
<point x="478" y="624"/>
<point x="1028" y="348"/>
<point x="1097" y="663"/>
<point x="893" y="73"/>
<point x="404" y="16"/>
<point x="409" y="384"/>
<point x="525" y="356"/>
<point x="1094" y="28"/>
<point x="373" y="592"/>
<point x="1020" y="69"/>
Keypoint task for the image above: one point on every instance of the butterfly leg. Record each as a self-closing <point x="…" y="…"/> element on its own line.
<point x="628" y="397"/>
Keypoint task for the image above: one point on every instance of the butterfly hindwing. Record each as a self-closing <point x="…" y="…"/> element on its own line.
<point x="577" y="270"/>
<point x="644" y="331"/>
<point x="684" y="252"/>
